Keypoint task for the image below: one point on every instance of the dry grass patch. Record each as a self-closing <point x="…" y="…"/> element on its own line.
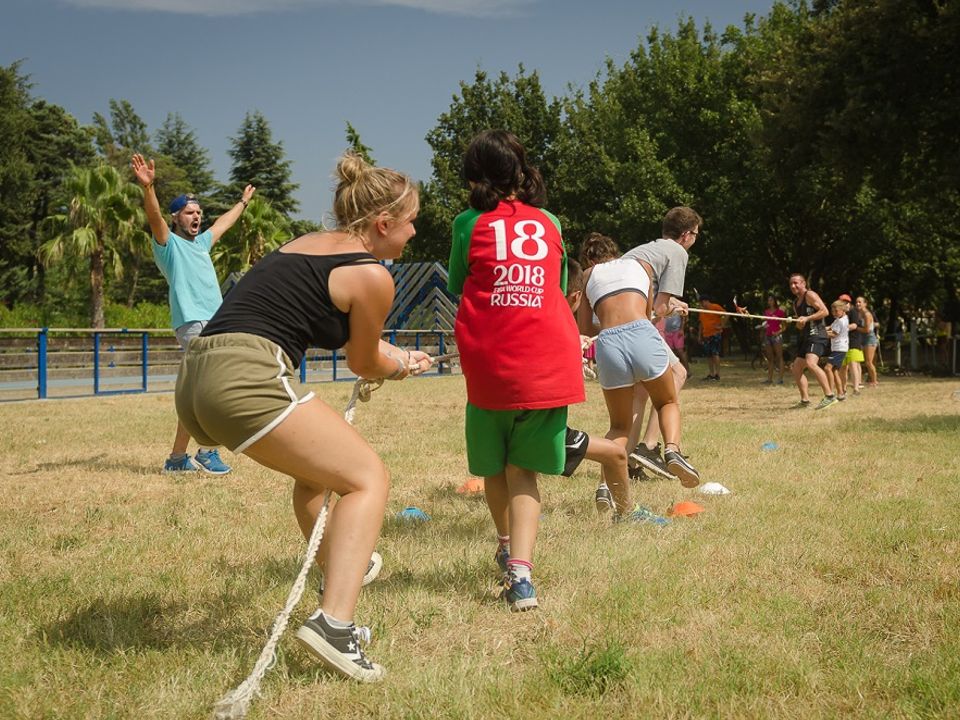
<point x="826" y="585"/>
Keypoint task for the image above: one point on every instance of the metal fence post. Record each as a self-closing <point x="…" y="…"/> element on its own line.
<point x="145" y="361"/>
<point x="42" y="364"/>
<point x="96" y="363"/>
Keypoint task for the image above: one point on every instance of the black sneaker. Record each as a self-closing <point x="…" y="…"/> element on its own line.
<point x="603" y="499"/>
<point x="679" y="466"/>
<point x="650" y="459"/>
<point x="636" y="473"/>
<point x="339" y="648"/>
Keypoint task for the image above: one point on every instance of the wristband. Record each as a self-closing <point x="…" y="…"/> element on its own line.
<point x="244" y="203"/>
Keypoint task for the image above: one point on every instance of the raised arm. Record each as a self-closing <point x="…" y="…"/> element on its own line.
<point x="145" y="173"/>
<point x="227" y="220"/>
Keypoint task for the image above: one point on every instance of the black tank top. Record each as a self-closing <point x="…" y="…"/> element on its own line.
<point x="286" y="298"/>
<point x="815" y="329"/>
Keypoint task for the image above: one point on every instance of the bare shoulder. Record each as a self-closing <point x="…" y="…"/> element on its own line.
<point x="367" y="280"/>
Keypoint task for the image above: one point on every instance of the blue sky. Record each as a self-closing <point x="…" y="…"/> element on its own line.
<point x="389" y="67"/>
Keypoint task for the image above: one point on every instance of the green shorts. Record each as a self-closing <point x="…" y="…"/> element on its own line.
<point x="530" y="439"/>
<point x="853" y="355"/>
<point x="233" y="389"/>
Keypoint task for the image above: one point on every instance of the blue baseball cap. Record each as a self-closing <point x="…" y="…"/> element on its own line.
<point x="181" y="201"/>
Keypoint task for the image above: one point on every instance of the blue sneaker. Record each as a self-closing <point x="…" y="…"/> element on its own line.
<point x="519" y="594"/>
<point x="210" y="462"/>
<point x="183" y="465"/>
<point x="501" y="556"/>
<point x="641" y="514"/>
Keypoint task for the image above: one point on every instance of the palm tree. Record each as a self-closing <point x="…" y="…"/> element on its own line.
<point x="102" y="220"/>
<point x="260" y="230"/>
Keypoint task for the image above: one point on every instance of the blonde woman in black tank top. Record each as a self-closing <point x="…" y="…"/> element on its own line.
<point x="320" y="290"/>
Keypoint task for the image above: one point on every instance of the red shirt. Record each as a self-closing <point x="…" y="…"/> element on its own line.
<point x="518" y="342"/>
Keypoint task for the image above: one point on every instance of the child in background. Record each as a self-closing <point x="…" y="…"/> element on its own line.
<point x="711" y="335"/>
<point x="518" y="342"/>
<point x="839" y="334"/>
<point x="611" y="456"/>
<point x="773" y="339"/>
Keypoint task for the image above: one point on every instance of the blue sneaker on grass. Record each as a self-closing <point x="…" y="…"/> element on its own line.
<point x="182" y="465"/>
<point x="519" y="593"/>
<point x="641" y="514"/>
<point x="210" y="462"/>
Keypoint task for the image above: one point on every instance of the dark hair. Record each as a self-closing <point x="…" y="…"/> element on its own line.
<point x="496" y="164"/>
<point x="574" y="276"/>
<point x="679" y="220"/>
<point x="598" y="248"/>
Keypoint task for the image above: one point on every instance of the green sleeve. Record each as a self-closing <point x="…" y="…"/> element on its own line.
<point x="563" y="260"/>
<point x="457" y="268"/>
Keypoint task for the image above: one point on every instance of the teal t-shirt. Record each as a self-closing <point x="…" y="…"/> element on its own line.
<point x="186" y="264"/>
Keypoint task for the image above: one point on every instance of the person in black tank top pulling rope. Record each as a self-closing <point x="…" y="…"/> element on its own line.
<point x="235" y="388"/>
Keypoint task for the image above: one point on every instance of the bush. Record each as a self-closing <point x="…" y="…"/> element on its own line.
<point x="142" y="315"/>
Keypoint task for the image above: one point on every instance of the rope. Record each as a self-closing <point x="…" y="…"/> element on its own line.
<point x="743" y="315"/>
<point x="362" y="389"/>
<point x="236" y="704"/>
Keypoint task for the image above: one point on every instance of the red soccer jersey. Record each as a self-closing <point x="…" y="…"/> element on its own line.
<point x="518" y="342"/>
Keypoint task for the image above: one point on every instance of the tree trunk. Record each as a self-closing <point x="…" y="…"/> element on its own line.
<point x="96" y="288"/>
<point x="132" y="294"/>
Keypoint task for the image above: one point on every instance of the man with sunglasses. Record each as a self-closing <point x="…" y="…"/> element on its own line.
<point x="182" y="252"/>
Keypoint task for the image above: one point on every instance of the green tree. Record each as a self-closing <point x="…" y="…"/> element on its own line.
<point x="177" y="140"/>
<point x="103" y="219"/>
<point x="260" y="230"/>
<point x="517" y="104"/>
<point x="259" y="160"/>
<point x="356" y="144"/>
<point x="124" y="134"/>
<point x="16" y="182"/>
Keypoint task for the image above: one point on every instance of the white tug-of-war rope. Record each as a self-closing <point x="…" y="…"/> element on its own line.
<point x="236" y="704"/>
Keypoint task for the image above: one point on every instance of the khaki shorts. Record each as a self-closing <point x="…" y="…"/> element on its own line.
<point x="233" y="389"/>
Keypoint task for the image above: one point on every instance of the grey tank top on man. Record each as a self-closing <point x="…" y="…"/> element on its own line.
<point x="668" y="260"/>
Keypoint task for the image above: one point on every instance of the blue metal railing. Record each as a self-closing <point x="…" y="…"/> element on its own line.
<point x="18" y="360"/>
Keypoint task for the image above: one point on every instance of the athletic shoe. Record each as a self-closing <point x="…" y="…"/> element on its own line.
<point x="827" y="401"/>
<point x="637" y="473"/>
<point x="780" y="381"/>
<point x="183" y="465"/>
<point x="210" y="462"/>
<point x="339" y="648"/>
<point x="373" y="569"/>
<point x="519" y="593"/>
<point x="640" y="514"/>
<point x="502" y="556"/>
<point x="841" y="398"/>
<point x="767" y="382"/>
<point x="650" y="459"/>
<point x="604" y="499"/>
<point x="678" y="465"/>
<point x="800" y="405"/>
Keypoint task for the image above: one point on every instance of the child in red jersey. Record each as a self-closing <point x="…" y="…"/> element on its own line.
<point x="518" y="342"/>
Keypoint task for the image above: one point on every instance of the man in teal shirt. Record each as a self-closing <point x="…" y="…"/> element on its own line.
<point x="183" y="255"/>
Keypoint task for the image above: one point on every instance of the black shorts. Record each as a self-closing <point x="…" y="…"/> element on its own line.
<point x="816" y="345"/>
<point x="576" y="447"/>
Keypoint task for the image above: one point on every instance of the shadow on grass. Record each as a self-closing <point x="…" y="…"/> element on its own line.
<point x="96" y="463"/>
<point x="946" y="424"/>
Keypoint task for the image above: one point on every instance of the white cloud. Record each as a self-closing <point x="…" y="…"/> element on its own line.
<point x="220" y="8"/>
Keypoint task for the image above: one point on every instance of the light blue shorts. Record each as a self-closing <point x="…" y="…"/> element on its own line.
<point x="631" y="353"/>
<point x="188" y="331"/>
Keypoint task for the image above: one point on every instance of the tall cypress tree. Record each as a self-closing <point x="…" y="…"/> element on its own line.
<point x="178" y="141"/>
<point x="257" y="159"/>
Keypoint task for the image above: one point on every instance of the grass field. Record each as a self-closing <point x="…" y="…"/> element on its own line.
<point x="826" y="585"/>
